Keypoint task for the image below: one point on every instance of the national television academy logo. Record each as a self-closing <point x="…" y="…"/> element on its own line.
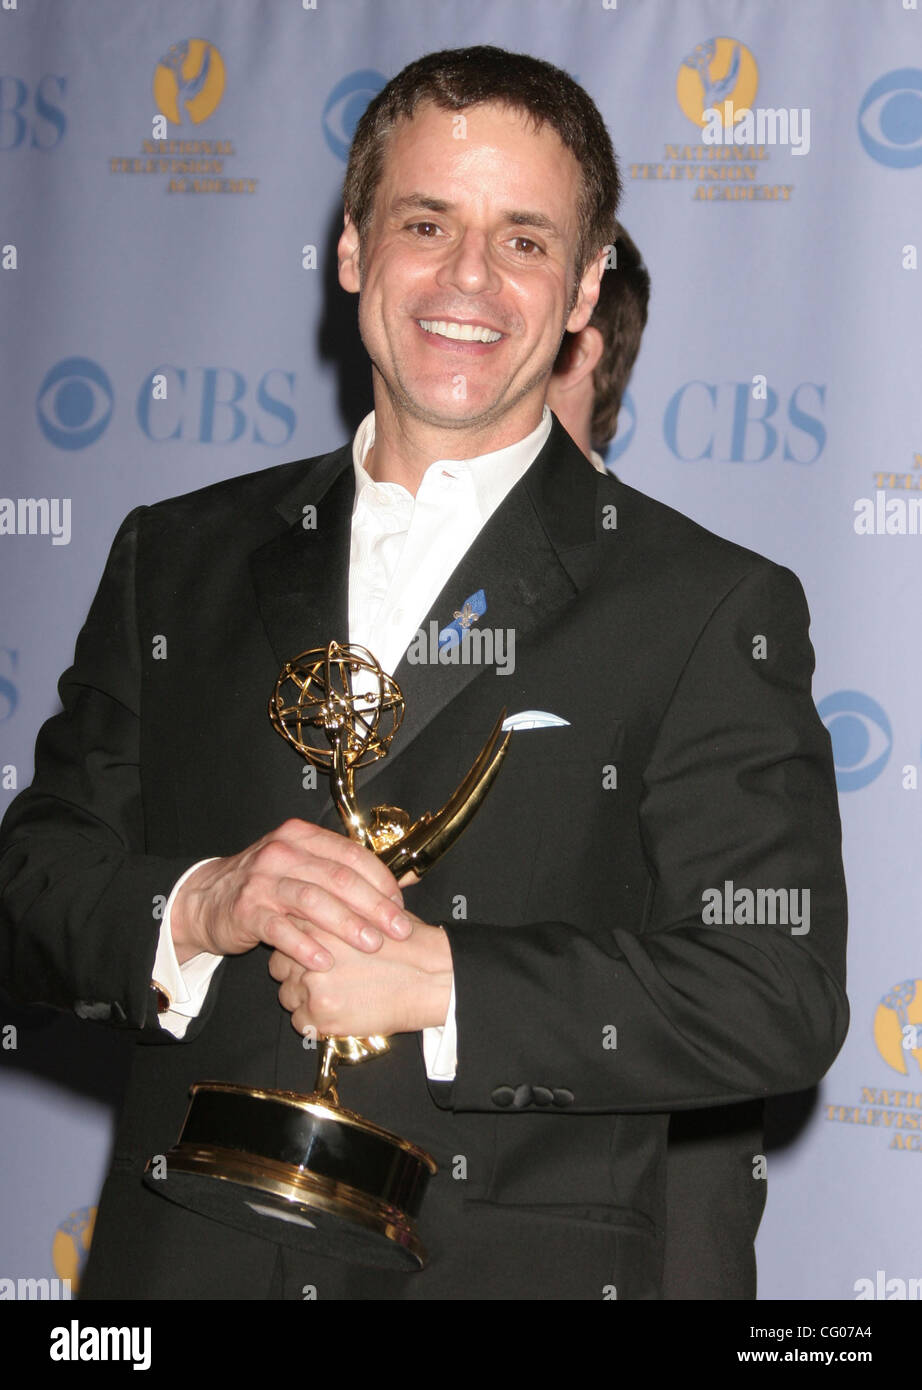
<point x="894" y="1108"/>
<point x="71" y="1244"/>
<point x="189" y="82"/>
<point x="728" y="160"/>
<point x="898" y="1028"/>
<point x="716" y="71"/>
<point x="188" y="85"/>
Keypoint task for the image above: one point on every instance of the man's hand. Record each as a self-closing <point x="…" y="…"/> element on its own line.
<point x="293" y="887"/>
<point x="401" y="988"/>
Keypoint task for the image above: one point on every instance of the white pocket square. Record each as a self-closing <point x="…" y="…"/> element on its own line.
<point x="534" y="719"/>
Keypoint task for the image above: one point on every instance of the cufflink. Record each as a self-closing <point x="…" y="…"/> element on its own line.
<point x="163" y="999"/>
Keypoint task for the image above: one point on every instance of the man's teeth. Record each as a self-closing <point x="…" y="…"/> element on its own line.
<point x="467" y="332"/>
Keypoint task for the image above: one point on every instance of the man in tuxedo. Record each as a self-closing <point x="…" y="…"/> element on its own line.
<point x="711" y="1154"/>
<point x="559" y="982"/>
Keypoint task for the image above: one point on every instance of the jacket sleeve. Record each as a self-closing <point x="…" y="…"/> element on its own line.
<point x="738" y="790"/>
<point x="78" y="893"/>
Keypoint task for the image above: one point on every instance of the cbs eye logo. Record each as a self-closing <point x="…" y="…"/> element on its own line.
<point x="345" y="107"/>
<point x="890" y="119"/>
<point x="74" y="403"/>
<point x="861" y="737"/>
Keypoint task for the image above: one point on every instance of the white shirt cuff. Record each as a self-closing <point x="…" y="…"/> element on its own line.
<point x="440" y="1046"/>
<point x="185" y="985"/>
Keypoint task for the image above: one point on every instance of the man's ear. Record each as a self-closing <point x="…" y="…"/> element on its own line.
<point x="588" y="293"/>
<point x="347" y="254"/>
<point x="585" y="349"/>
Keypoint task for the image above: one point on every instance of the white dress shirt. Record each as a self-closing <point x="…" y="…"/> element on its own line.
<point x="403" y="550"/>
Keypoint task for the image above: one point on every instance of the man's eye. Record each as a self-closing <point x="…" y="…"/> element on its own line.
<point x="418" y="226"/>
<point x="530" y="246"/>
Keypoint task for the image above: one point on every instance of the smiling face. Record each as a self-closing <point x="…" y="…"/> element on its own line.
<point x="468" y="276"/>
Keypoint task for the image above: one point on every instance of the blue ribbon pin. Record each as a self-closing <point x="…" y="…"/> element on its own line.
<point x="471" y="609"/>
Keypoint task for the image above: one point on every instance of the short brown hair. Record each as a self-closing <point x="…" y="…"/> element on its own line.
<point x="462" y="77"/>
<point x="620" y="315"/>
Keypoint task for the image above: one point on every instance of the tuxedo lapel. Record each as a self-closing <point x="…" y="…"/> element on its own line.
<point x="301" y="577"/>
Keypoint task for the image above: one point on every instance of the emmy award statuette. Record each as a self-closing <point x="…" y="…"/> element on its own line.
<point x="302" y="1169"/>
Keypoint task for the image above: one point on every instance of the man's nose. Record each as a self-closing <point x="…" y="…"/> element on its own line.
<point x="469" y="266"/>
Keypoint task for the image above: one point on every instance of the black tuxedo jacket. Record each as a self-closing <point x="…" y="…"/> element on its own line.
<point x="592" y="998"/>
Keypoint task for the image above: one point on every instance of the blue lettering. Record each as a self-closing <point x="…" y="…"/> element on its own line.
<point x="273" y="406"/>
<point x="12" y="87"/>
<point x="145" y="401"/>
<point x="671" y="422"/>
<point x="210" y="401"/>
<point x="8" y="692"/>
<point x="809" y="424"/>
<point x="49" y="112"/>
<point x="742" y="420"/>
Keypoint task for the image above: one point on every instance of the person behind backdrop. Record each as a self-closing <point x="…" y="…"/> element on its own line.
<point x="594" y="365"/>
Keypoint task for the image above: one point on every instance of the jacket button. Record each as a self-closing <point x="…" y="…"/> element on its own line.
<point x="542" y="1095"/>
<point x="522" y="1097"/>
<point x="563" y="1097"/>
<point x="504" y="1096"/>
